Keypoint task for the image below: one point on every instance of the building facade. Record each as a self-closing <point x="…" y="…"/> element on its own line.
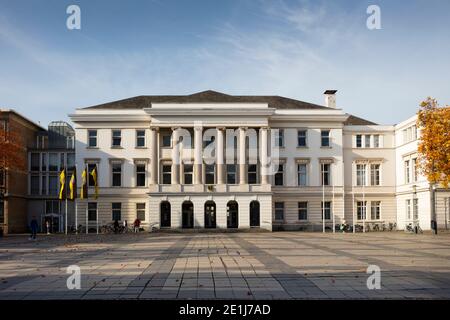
<point x="211" y="160"/>
<point x="13" y="180"/>
<point x="55" y="151"/>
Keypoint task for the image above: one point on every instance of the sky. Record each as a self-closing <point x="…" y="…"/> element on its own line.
<point x="296" y="49"/>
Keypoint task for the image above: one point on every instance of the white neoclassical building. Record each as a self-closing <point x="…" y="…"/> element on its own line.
<point x="212" y="160"/>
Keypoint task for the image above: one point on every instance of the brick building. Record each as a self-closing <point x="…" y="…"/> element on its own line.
<point x="14" y="183"/>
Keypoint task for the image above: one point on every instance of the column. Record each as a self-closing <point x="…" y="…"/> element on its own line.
<point x="219" y="156"/>
<point x="154" y="155"/>
<point x="198" y="155"/>
<point x="242" y="156"/>
<point x="264" y="156"/>
<point x="175" y="156"/>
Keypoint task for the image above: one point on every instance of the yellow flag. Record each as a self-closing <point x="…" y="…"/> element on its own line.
<point x="94" y="177"/>
<point x="62" y="183"/>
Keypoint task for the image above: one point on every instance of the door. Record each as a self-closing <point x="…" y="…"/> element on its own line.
<point x="187" y="215"/>
<point x="232" y="214"/>
<point x="210" y="214"/>
<point x="165" y="214"/>
<point x="254" y="214"/>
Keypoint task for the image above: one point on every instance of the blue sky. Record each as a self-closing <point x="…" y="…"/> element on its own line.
<point x="292" y="48"/>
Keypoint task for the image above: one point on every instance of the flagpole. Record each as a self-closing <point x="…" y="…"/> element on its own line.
<point x="334" y="219"/>
<point x="76" y="216"/>
<point x="87" y="181"/>
<point x="66" y="214"/>
<point x="323" y="199"/>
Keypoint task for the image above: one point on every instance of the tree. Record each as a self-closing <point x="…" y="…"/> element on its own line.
<point x="434" y="145"/>
<point x="434" y="148"/>
<point x="12" y="150"/>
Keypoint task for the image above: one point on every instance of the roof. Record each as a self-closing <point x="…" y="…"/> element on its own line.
<point x="23" y="118"/>
<point x="356" y="121"/>
<point x="208" y="96"/>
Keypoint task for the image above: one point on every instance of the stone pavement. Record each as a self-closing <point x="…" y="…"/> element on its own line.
<point x="279" y="265"/>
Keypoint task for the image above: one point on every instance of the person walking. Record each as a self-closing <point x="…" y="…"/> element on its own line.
<point x="116" y="226"/>
<point x="137" y="225"/>
<point x="34" y="227"/>
<point x="47" y="226"/>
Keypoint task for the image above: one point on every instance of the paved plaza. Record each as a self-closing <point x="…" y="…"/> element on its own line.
<point x="249" y="265"/>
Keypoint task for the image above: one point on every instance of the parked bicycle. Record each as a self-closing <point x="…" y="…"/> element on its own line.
<point x="413" y="228"/>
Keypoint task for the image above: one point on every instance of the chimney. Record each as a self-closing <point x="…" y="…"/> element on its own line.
<point x="330" y="98"/>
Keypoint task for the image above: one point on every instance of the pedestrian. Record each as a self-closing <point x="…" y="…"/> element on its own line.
<point x="47" y="226"/>
<point x="137" y="225"/>
<point x="33" y="227"/>
<point x="125" y="226"/>
<point x="116" y="226"/>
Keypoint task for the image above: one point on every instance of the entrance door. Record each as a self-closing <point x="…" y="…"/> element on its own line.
<point x="187" y="215"/>
<point x="210" y="214"/>
<point x="232" y="214"/>
<point x="254" y="214"/>
<point x="165" y="214"/>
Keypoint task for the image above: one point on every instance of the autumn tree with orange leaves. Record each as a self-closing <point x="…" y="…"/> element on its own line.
<point x="12" y="151"/>
<point x="434" y="145"/>
<point x="434" y="148"/>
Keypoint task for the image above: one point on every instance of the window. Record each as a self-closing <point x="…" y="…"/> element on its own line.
<point x="405" y="136"/>
<point x="359" y="141"/>
<point x="140" y="175"/>
<point x="166" y="174"/>
<point x="34" y="162"/>
<point x="91" y="167"/>
<point x="140" y="211"/>
<point x="140" y="138"/>
<point x="70" y="161"/>
<point x="2" y="212"/>
<point x="34" y="185"/>
<point x="367" y="141"/>
<point x="279" y="175"/>
<point x="231" y="174"/>
<point x="301" y="138"/>
<point x="116" y="211"/>
<point x="361" y="210"/>
<point x="252" y="174"/>
<point x="62" y="164"/>
<point x="279" y="211"/>
<point x="53" y="162"/>
<point x="302" y="174"/>
<point x="53" y="185"/>
<point x="52" y="206"/>
<point x="325" y="174"/>
<point x="374" y="174"/>
<point x="376" y="141"/>
<point x="188" y="172"/>
<point x="210" y="174"/>
<point x="407" y="176"/>
<point x="92" y="211"/>
<point x="116" y="138"/>
<point x="279" y="141"/>
<point x="325" y="138"/>
<point x="360" y="174"/>
<point x="375" y="210"/>
<point x="70" y="142"/>
<point x="116" y="174"/>
<point x="414" y="169"/>
<point x="303" y="210"/>
<point x="92" y="140"/>
<point x="44" y="185"/>
<point x="414" y="132"/>
<point x="325" y="208"/>
<point x="44" y="162"/>
<point x="415" y="209"/>
<point x="166" y="140"/>
<point x="408" y="209"/>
